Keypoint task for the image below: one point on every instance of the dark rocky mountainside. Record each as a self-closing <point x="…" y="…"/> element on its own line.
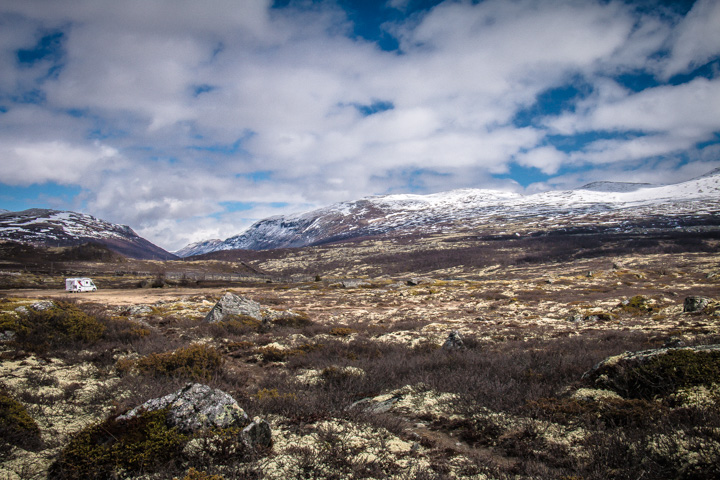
<point x="54" y="228"/>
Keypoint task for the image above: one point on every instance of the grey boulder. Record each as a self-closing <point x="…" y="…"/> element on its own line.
<point x="231" y="304"/>
<point x="695" y="303"/>
<point x="194" y="407"/>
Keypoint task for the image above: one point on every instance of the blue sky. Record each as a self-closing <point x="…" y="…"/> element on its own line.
<point x="190" y="120"/>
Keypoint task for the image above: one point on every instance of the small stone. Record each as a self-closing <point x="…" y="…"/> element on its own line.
<point x="695" y="303"/>
<point x="454" y="341"/>
<point x="42" y="305"/>
<point x="258" y="433"/>
<point x="354" y="283"/>
<point x="7" y="336"/>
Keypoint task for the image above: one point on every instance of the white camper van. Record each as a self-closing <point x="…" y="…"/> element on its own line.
<point x="79" y="285"/>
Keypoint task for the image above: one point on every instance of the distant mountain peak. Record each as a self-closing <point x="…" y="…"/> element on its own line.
<point x="460" y="210"/>
<point x="197" y="248"/>
<point x="46" y="227"/>
<point x="711" y="173"/>
<point x="615" y="186"/>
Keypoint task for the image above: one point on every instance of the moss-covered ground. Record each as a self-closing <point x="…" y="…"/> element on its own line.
<point x="358" y="385"/>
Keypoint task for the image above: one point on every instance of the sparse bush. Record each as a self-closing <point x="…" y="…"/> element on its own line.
<point x="664" y="374"/>
<point x="141" y="444"/>
<point x="342" y="331"/>
<point x="61" y="325"/>
<point x="17" y="427"/>
<point x="196" y="362"/>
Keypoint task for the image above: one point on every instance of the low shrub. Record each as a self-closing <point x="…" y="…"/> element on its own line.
<point x="63" y="324"/>
<point x="342" y="331"/>
<point x="293" y="320"/>
<point x="193" y="474"/>
<point x="638" y="305"/>
<point x="123" y="330"/>
<point x="235" y="325"/>
<point x="141" y="444"/>
<point x="610" y="412"/>
<point x="665" y="374"/>
<point x="271" y="353"/>
<point x="196" y="362"/>
<point x="17" y="427"/>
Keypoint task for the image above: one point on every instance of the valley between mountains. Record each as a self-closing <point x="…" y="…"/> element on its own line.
<point x="472" y="335"/>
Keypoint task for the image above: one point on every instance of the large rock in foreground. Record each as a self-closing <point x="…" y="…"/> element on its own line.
<point x="658" y="372"/>
<point x="194" y="425"/>
<point x="231" y="304"/>
<point x="194" y="407"/>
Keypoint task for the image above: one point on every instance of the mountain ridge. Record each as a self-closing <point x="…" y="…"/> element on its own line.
<point x="49" y="228"/>
<point x="456" y="210"/>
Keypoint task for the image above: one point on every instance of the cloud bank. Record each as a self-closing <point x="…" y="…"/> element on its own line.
<point x="188" y="120"/>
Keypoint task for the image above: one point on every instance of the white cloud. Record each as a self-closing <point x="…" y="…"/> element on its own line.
<point x="696" y="39"/>
<point x="547" y="159"/>
<point x="689" y="109"/>
<point x="154" y="79"/>
<point x="54" y="161"/>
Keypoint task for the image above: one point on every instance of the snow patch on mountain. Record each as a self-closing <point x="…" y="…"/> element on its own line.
<point x="470" y="209"/>
<point x="615" y="186"/>
<point x="198" y="248"/>
<point x="45" y="227"/>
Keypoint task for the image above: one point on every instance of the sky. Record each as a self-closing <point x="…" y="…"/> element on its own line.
<point x="190" y="120"/>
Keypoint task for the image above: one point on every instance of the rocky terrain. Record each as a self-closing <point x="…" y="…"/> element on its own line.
<point x="471" y="356"/>
<point x="576" y="337"/>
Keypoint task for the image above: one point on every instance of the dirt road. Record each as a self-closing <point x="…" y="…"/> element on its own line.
<point x="132" y="296"/>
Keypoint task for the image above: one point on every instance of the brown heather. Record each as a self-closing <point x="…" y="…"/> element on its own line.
<point x="358" y="386"/>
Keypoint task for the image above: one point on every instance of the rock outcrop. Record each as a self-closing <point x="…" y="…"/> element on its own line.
<point x="661" y="371"/>
<point x="695" y="303"/>
<point x="194" y="407"/>
<point x="454" y="341"/>
<point x="231" y="304"/>
<point x="258" y="433"/>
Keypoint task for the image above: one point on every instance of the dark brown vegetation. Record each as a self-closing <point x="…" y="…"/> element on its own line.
<point x="364" y="368"/>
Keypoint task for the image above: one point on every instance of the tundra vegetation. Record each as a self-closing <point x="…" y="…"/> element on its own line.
<point x="356" y="383"/>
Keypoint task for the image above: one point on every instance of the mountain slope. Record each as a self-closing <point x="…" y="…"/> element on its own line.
<point x="471" y="209"/>
<point x="51" y="228"/>
<point x="198" y="248"/>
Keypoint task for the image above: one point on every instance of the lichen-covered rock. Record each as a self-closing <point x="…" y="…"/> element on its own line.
<point x="695" y="303"/>
<point x="42" y="305"/>
<point x="258" y="433"/>
<point x="454" y="341"/>
<point x="662" y="371"/>
<point x="194" y="407"/>
<point x="354" y="283"/>
<point x="231" y="304"/>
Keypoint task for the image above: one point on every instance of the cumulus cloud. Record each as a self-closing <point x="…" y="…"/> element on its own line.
<point x="696" y="39"/>
<point x="56" y="161"/>
<point x="171" y="110"/>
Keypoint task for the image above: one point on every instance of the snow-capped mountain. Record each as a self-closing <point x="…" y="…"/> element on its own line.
<point x="473" y="210"/>
<point x="198" y="248"/>
<point x="54" y="228"/>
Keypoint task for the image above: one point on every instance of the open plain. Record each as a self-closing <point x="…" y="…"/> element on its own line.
<point x="352" y="368"/>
